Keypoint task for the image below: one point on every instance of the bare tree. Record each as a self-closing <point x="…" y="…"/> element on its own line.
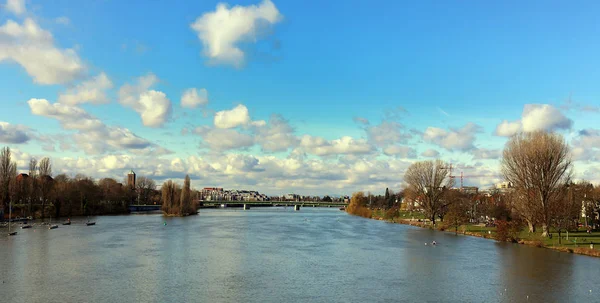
<point x="185" y="196"/>
<point x="33" y="184"/>
<point x="45" y="182"/>
<point x="169" y="198"/>
<point x="428" y="181"/>
<point x="145" y="187"/>
<point x="8" y="172"/>
<point x="539" y="165"/>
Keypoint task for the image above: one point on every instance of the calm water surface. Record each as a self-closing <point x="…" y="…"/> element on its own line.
<point x="278" y="255"/>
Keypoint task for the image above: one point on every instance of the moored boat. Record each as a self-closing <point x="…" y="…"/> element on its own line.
<point x="90" y="223"/>
<point x="53" y="226"/>
<point x="25" y="226"/>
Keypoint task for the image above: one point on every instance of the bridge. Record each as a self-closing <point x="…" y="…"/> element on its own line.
<point x="244" y="204"/>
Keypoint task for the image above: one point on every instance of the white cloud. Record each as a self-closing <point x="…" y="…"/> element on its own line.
<point x="70" y="117"/>
<point x="238" y="116"/>
<point x="483" y="153"/>
<point x="90" y="91"/>
<point x="586" y="146"/>
<point x="224" y="139"/>
<point x="153" y="106"/>
<point x="93" y="136"/>
<point x="33" y="48"/>
<point x="387" y="132"/>
<point x="345" y="145"/>
<point x="431" y="153"/>
<point x="455" y="139"/>
<point x="221" y="31"/>
<point x="276" y="136"/>
<point x="16" y="7"/>
<point x="401" y="151"/>
<point x="193" y="98"/>
<point x="13" y="134"/>
<point x="535" y="117"/>
<point x="508" y="129"/>
<point x="543" y="117"/>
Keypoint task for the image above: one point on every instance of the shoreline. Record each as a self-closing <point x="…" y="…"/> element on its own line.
<point x="586" y="251"/>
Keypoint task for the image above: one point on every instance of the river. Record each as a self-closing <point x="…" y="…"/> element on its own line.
<point x="278" y="255"/>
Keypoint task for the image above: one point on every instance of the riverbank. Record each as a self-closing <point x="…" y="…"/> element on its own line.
<point x="579" y="242"/>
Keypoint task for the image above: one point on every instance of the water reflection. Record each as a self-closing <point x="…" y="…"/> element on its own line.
<point x="278" y="255"/>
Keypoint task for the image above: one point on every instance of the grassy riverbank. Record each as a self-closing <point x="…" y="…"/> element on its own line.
<point x="576" y="242"/>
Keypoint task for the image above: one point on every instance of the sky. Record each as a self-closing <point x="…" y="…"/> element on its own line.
<point x="306" y="97"/>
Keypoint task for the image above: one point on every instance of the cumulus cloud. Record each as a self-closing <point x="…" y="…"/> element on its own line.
<point x="344" y="145"/>
<point x="16" y="7"/>
<point x="93" y="136"/>
<point x="90" y="91"/>
<point x="401" y="151"/>
<point x="387" y="132"/>
<point x="13" y="134"/>
<point x="238" y="116"/>
<point x="276" y="136"/>
<point x="483" y="153"/>
<point x="153" y="106"/>
<point x="430" y="153"/>
<point x="33" y="48"/>
<point x="535" y="117"/>
<point x="193" y="98"/>
<point x="221" y="139"/>
<point x="454" y="139"/>
<point x="223" y="30"/>
<point x="586" y="146"/>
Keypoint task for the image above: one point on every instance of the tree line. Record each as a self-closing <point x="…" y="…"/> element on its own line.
<point x="537" y="164"/>
<point x="40" y="194"/>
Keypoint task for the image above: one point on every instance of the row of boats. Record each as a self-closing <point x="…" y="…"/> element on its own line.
<point x="50" y="226"/>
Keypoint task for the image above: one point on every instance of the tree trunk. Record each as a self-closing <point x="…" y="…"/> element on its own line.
<point x="544" y="230"/>
<point x="531" y="226"/>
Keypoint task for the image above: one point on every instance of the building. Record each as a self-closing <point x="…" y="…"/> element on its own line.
<point x="470" y="190"/>
<point x="131" y="179"/>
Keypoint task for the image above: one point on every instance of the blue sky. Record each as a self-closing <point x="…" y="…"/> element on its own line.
<point x="433" y="79"/>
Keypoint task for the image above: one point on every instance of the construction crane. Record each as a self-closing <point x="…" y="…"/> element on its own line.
<point x="462" y="176"/>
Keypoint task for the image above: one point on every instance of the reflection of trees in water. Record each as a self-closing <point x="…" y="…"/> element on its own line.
<point x="538" y="273"/>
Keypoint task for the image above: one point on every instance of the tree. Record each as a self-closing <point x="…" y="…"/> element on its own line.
<point x="327" y="199"/>
<point x="33" y="184"/>
<point x="45" y="182"/>
<point x="358" y="205"/>
<point x="145" y="188"/>
<point x="8" y="172"/>
<point x="429" y="181"/>
<point x="185" y="200"/>
<point x="170" y="198"/>
<point x="539" y="166"/>
<point x="458" y="210"/>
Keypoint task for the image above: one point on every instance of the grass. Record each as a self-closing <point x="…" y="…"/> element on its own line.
<point x="578" y="241"/>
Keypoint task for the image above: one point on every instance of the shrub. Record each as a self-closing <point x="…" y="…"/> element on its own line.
<point x="391" y="213"/>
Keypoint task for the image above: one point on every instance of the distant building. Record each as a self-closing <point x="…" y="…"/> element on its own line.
<point x="504" y="185"/>
<point x="131" y="179"/>
<point x="470" y="190"/>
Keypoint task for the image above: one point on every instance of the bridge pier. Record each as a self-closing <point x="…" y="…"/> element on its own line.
<point x="296" y="207"/>
<point x="246" y="207"/>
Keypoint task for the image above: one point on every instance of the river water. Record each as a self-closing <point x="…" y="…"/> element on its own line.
<point x="278" y="255"/>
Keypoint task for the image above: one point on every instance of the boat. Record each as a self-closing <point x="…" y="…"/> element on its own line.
<point x="14" y="233"/>
<point x="52" y="226"/>
<point x="90" y="223"/>
<point x="68" y="222"/>
<point x="26" y="226"/>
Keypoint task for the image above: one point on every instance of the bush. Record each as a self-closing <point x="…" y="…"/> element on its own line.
<point x="391" y="213"/>
<point x="507" y="230"/>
